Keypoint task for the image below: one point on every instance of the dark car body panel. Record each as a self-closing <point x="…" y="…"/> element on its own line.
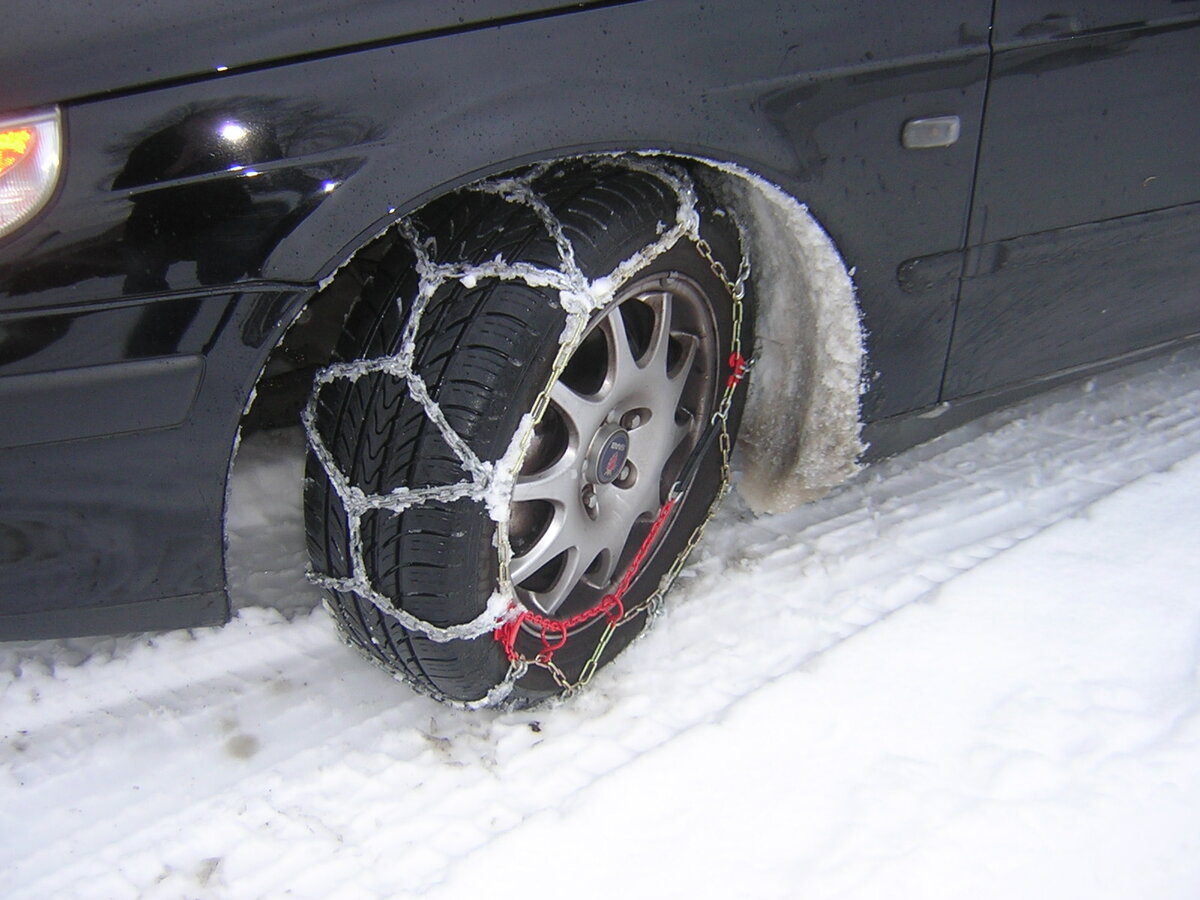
<point x="1086" y="216"/>
<point x="102" y="526"/>
<point x="171" y="250"/>
<point x="131" y="46"/>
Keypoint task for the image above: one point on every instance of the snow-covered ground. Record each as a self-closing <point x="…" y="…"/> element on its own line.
<point x="971" y="672"/>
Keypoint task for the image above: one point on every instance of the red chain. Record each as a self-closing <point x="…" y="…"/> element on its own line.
<point x="738" y="364"/>
<point x="554" y="631"/>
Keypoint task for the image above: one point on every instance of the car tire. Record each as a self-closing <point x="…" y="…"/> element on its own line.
<point x="523" y="449"/>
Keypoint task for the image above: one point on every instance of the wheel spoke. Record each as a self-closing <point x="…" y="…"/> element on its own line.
<point x="558" y="484"/>
<point x="553" y="541"/>
<point x="572" y="571"/>
<point x="582" y="413"/>
<point x="677" y="378"/>
<point x="623" y="368"/>
<point x="625" y="508"/>
<point x="654" y="361"/>
<point x="607" y="569"/>
<point x="691" y="346"/>
<point x="639" y="501"/>
<point x="683" y="430"/>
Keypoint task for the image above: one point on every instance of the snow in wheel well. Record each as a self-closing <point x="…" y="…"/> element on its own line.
<point x="801" y="430"/>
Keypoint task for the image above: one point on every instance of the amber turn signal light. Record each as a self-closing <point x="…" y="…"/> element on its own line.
<point x="15" y="145"/>
<point x="30" y="159"/>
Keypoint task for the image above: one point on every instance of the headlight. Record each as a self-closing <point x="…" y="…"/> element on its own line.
<point x="30" y="154"/>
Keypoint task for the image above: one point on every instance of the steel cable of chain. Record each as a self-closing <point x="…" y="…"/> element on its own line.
<point x="490" y="483"/>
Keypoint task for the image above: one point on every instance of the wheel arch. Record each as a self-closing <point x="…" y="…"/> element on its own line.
<point x="802" y="428"/>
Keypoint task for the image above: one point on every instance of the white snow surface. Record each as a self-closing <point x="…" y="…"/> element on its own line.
<point x="972" y="671"/>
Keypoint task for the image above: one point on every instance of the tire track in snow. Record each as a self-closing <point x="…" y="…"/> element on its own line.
<point x="358" y="786"/>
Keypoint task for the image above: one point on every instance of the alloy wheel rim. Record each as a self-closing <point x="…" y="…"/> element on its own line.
<point x="627" y="411"/>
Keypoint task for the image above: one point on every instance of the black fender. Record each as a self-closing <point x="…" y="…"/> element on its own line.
<point x="200" y="212"/>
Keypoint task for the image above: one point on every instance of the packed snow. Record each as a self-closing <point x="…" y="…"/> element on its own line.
<point x="972" y="671"/>
<point x="804" y="427"/>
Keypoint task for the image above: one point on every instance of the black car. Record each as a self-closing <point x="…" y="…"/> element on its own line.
<point x="522" y="270"/>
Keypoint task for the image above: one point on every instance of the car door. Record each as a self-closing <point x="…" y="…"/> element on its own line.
<point x="1086" y="215"/>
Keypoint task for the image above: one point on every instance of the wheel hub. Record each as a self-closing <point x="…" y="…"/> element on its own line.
<point x="607" y="455"/>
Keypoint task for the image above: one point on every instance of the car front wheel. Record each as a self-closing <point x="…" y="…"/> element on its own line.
<point x="527" y="422"/>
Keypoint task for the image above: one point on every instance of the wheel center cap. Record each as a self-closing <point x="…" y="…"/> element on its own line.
<point x="606" y="458"/>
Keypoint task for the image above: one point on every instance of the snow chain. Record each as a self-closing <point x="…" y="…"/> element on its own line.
<point x="554" y="633"/>
<point x="505" y="617"/>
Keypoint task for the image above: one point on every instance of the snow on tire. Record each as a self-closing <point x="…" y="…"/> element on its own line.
<point x="536" y="367"/>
